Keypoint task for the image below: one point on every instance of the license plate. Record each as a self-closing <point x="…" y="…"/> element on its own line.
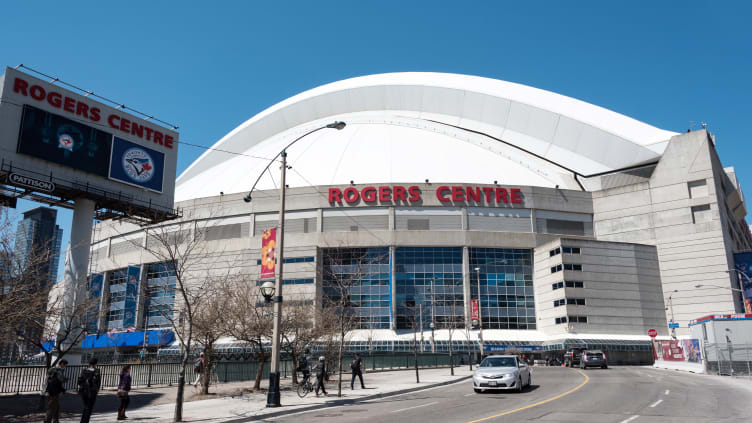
<point x="491" y="383"/>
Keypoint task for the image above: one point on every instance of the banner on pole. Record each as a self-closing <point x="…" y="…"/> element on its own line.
<point x="474" y="309"/>
<point x="268" y="253"/>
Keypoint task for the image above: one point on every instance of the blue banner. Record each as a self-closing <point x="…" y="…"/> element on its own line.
<point x="131" y="296"/>
<point x="137" y="165"/>
<point x="95" y="294"/>
<point x="743" y="263"/>
<point x="129" y="339"/>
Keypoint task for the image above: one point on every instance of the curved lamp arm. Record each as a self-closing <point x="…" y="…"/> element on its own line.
<point x="338" y="125"/>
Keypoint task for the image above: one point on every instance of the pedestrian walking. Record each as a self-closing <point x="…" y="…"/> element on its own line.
<point x="198" y="368"/>
<point x="124" y="389"/>
<point x="357" y="371"/>
<point x="88" y="388"/>
<point x="320" y="375"/>
<point x="55" y="387"/>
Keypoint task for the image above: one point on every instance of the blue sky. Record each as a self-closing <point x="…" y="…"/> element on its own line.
<point x="210" y="66"/>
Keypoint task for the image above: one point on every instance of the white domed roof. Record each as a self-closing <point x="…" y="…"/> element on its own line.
<point x="408" y="127"/>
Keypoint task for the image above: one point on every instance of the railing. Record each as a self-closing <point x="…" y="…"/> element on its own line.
<point x="32" y="379"/>
<point x="729" y="359"/>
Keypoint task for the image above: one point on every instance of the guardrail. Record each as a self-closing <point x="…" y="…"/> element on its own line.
<point x="32" y="379"/>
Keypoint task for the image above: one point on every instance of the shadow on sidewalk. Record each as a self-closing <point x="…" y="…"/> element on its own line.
<point x="25" y="408"/>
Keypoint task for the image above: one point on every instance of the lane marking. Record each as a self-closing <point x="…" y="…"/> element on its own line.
<point x="630" y="419"/>
<point x="417" y="406"/>
<point x="355" y="403"/>
<point x="656" y="403"/>
<point x="563" y="394"/>
<point x="468" y="395"/>
<point x="667" y="391"/>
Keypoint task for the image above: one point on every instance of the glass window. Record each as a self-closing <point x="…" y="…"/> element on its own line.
<point x="160" y="294"/>
<point x="506" y="287"/>
<point x="556" y="268"/>
<point x="568" y="266"/>
<point x="554" y="252"/>
<point x="430" y="277"/>
<point x="364" y="275"/>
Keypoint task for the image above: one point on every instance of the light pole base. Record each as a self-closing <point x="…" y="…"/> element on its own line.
<point x="272" y="397"/>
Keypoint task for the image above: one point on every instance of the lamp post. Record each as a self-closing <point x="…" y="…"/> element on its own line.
<point x="272" y="397"/>
<point x="433" y="318"/>
<point x="480" y="316"/>
<point x="741" y="285"/>
<point x="671" y="307"/>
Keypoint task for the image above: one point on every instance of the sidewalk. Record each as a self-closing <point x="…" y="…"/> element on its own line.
<point x="250" y="405"/>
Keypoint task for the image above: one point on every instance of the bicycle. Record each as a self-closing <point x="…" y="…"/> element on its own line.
<point x="305" y="386"/>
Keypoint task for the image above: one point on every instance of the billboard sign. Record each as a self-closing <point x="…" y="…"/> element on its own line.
<point x="136" y="165"/>
<point x="268" y="253"/>
<point x="131" y="296"/>
<point x="474" y="310"/>
<point x="78" y="144"/>
<point x="56" y="139"/>
<point x="743" y="263"/>
<point x="95" y="293"/>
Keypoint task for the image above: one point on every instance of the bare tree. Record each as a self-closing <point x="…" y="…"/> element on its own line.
<point x="37" y="314"/>
<point x="247" y="319"/>
<point x="298" y="331"/>
<point x="182" y="249"/>
<point x="341" y="274"/>
<point x="209" y="325"/>
<point x="452" y="321"/>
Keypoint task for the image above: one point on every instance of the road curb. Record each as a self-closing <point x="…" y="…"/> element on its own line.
<point x="341" y="402"/>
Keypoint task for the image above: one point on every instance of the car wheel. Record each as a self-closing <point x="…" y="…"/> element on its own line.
<point x="604" y="367"/>
<point x="519" y="384"/>
<point x="477" y="391"/>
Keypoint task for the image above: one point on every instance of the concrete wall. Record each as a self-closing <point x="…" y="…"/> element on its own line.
<point x="681" y="210"/>
<point x="621" y="288"/>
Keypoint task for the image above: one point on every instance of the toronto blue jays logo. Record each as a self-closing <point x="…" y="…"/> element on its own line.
<point x="65" y="141"/>
<point x="138" y="164"/>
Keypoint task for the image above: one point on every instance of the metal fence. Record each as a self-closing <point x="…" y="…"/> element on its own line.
<point x="729" y="359"/>
<point x="32" y="379"/>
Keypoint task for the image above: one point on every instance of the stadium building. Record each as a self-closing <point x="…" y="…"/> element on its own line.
<point x="581" y="225"/>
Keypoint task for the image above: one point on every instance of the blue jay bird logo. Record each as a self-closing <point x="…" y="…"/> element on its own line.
<point x="138" y="165"/>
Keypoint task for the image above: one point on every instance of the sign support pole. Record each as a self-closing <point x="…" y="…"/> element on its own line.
<point x="77" y="263"/>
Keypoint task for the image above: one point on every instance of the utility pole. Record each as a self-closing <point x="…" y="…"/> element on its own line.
<point x="433" y="319"/>
<point x="480" y="316"/>
<point x="671" y="307"/>
<point x="420" y="308"/>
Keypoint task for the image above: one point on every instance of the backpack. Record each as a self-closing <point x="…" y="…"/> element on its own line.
<point x="198" y="365"/>
<point x="86" y="383"/>
<point x="302" y="364"/>
<point x="54" y="386"/>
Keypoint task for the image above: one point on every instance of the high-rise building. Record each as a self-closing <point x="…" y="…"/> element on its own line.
<point x="37" y="235"/>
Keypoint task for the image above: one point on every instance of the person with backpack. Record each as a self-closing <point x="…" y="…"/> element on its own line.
<point x="304" y="365"/>
<point x="88" y="388"/>
<point x="124" y="389"/>
<point x="55" y="387"/>
<point x="357" y="370"/>
<point x="198" y="368"/>
<point x="320" y="376"/>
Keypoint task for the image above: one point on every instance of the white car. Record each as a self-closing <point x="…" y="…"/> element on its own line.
<point x="501" y="372"/>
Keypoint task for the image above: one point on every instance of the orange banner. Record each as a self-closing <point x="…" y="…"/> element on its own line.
<point x="268" y="252"/>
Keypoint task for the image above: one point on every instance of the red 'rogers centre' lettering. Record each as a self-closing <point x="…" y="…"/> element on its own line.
<point x="398" y="194"/>
<point x="94" y="114"/>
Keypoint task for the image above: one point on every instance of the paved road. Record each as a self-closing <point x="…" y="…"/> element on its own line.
<point x="618" y="394"/>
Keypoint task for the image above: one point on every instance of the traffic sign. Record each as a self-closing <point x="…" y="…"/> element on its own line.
<point x="673" y="325"/>
<point x="652" y="333"/>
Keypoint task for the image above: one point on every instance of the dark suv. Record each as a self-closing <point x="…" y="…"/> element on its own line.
<point x="572" y="356"/>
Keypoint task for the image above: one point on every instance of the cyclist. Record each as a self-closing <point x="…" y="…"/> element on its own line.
<point x="304" y="365"/>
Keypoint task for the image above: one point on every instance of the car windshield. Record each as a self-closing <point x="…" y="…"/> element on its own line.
<point x="499" y="362"/>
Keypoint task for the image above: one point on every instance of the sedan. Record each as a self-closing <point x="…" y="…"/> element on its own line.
<point x="501" y="372"/>
<point x="593" y="358"/>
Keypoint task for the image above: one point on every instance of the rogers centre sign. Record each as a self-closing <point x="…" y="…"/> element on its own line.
<point x="412" y="194"/>
<point x="94" y="114"/>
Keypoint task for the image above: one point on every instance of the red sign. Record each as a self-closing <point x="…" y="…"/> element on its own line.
<point x="474" y="310"/>
<point x="397" y="194"/>
<point x="268" y="252"/>
<point x="94" y="114"/>
<point x="748" y="306"/>
<point x="672" y="351"/>
<point x="652" y="333"/>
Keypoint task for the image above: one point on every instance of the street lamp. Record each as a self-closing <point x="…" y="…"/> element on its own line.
<point x="267" y="291"/>
<point x="480" y="317"/>
<point x="671" y="307"/>
<point x="272" y="397"/>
